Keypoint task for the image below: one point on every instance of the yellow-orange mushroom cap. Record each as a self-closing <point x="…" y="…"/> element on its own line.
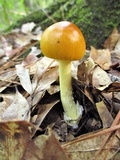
<point x="63" y="41"/>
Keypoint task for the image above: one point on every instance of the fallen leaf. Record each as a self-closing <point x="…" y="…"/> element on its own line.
<point x="27" y="27"/>
<point x="45" y="147"/>
<point x="101" y="57"/>
<point x="44" y="83"/>
<point x="113" y="141"/>
<point x="16" y="143"/>
<point x="113" y="98"/>
<point x="6" y="102"/>
<point x="53" y="89"/>
<point x="112" y="87"/>
<point x="81" y="72"/>
<point x="7" y="77"/>
<point x="100" y="79"/>
<point x="112" y="40"/>
<point x="41" y="66"/>
<point x="2" y="53"/>
<point x="14" y="138"/>
<point x="116" y="52"/>
<point x="31" y="57"/>
<point x="104" y="114"/>
<point x="85" y="69"/>
<point x="11" y="53"/>
<point x="43" y="111"/>
<point x="18" y="110"/>
<point x="24" y="76"/>
<point x="114" y="74"/>
<point x="86" y="146"/>
<point x="48" y="78"/>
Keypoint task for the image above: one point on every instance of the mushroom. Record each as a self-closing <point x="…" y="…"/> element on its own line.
<point x="64" y="42"/>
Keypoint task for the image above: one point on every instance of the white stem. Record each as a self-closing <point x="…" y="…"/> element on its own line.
<point x="71" y="109"/>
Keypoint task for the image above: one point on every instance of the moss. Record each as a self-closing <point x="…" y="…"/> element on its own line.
<point x="105" y="17"/>
<point x="96" y="18"/>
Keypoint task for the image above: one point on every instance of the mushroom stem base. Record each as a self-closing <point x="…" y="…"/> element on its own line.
<point x="73" y="111"/>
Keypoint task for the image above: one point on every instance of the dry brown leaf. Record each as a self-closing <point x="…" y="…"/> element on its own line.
<point x="53" y="89"/>
<point x="113" y="87"/>
<point x="81" y="72"/>
<point x="3" y="60"/>
<point x="7" y="101"/>
<point x="11" y="53"/>
<point x="18" y="110"/>
<point x="5" y="41"/>
<point x="6" y="78"/>
<point x="24" y="76"/>
<point x="27" y="27"/>
<point x="31" y="57"/>
<point x="43" y="111"/>
<point x="85" y="69"/>
<point x="44" y="83"/>
<point x="88" y="94"/>
<point x="112" y="142"/>
<point x="100" y="79"/>
<point x="86" y="146"/>
<point x="14" y="138"/>
<point x="48" y="78"/>
<point x="117" y="49"/>
<point x="101" y="57"/>
<point x="114" y="100"/>
<point x="41" y="66"/>
<point x="16" y="143"/>
<point x="114" y="73"/>
<point x="2" y="53"/>
<point x="45" y="147"/>
<point x="23" y="39"/>
<point x="112" y="40"/>
<point x="104" y="114"/>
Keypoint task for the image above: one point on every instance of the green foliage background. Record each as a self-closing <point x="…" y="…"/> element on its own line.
<point x="13" y="10"/>
<point x="96" y="18"/>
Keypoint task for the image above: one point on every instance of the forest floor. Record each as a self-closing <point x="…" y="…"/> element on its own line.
<point x="31" y="114"/>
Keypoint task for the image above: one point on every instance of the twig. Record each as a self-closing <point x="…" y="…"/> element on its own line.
<point x="85" y="137"/>
<point x="114" y="124"/>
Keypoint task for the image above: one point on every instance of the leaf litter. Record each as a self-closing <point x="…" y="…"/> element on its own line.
<point x="31" y="114"/>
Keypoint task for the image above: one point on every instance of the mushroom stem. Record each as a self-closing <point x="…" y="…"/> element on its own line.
<point x="73" y="112"/>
